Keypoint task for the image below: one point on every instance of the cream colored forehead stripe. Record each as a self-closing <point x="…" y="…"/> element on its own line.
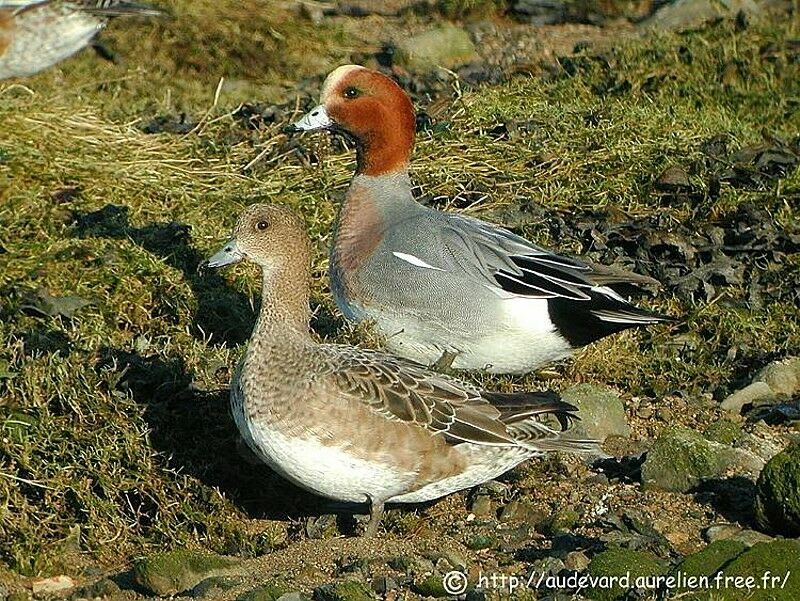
<point x="335" y="77"/>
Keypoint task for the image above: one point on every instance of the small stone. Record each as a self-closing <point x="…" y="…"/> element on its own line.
<point x="54" y="584"/>
<point x="384" y="584"/>
<point x="751" y="537"/>
<point x="480" y="541"/>
<point x="783" y="377"/>
<point x="548" y="565"/>
<point x="681" y="458"/>
<point x="723" y="431"/>
<point x="454" y="559"/>
<point x="717" y="532"/>
<point x="541" y="12"/>
<point x="98" y="590"/>
<point x="752" y="394"/>
<point x="689" y="14"/>
<point x="645" y="412"/>
<point x="517" y="511"/>
<point x="482" y="506"/>
<point x="777" y="504"/>
<point x="560" y="521"/>
<point x="600" y="409"/>
<point x="576" y="561"/>
<point x="778" y="381"/>
<point x="431" y="586"/>
<point x="664" y="414"/>
<point x="349" y="590"/>
<point x="177" y="571"/>
<point x="214" y="585"/>
<point x="294" y="596"/>
<point x="270" y="591"/>
<point x="445" y="45"/>
<point x="673" y="179"/>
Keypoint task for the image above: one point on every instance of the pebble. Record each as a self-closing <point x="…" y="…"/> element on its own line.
<point x="383" y="584"/>
<point x="778" y="381"/>
<point x="601" y="410"/>
<point x="54" y="584"/>
<point x="482" y="506"/>
<point x="576" y="561"/>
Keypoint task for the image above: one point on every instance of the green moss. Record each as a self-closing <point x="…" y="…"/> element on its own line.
<point x="561" y="520"/>
<point x="680" y="458"/>
<point x="711" y="559"/>
<point x="432" y="586"/>
<point x="723" y="431"/>
<point x="780" y="559"/>
<point x="177" y="571"/>
<point x="616" y="563"/>
<point x="777" y="503"/>
<point x="349" y="590"/>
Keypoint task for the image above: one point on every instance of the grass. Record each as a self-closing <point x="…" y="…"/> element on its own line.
<point x="114" y="435"/>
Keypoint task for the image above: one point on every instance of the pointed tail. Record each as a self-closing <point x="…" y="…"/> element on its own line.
<point x="526" y="415"/>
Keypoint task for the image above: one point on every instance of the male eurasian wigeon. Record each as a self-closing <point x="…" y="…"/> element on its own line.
<point x="360" y="425"/>
<point x="442" y="287"/>
<point x="37" y="34"/>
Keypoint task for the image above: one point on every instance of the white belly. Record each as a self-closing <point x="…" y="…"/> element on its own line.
<point x="325" y="470"/>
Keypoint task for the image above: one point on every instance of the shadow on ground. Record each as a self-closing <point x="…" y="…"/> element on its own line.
<point x="732" y="497"/>
<point x="194" y="432"/>
<point x="222" y="313"/>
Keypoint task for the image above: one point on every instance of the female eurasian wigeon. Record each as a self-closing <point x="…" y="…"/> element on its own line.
<point x="442" y="287"/>
<point x="360" y="425"/>
<point x="37" y="34"/>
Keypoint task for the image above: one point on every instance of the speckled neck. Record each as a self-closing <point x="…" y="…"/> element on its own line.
<point x="285" y="311"/>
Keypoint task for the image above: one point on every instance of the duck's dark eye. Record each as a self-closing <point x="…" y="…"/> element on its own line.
<point x="262" y="225"/>
<point x="351" y="93"/>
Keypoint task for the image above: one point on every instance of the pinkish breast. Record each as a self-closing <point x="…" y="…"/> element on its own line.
<point x="359" y="232"/>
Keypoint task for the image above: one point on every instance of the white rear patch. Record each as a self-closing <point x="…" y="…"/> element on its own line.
<point x="416" y="261"/>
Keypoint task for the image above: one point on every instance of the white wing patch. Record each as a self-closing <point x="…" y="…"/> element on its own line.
<point x="416" y="261"/>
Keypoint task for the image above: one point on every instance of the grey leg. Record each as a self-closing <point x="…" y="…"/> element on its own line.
<point x="375" y="516"/>
<point x="445" y="362"/>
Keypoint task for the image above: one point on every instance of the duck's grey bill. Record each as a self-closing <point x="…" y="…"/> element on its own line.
<point x="229" y="255"/>
<point x="316" y="118"/>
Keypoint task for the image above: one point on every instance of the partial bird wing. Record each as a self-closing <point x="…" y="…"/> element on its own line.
<point x="519" y="267"/>
<point x="115" y="8"/>
<point x="101" y="8"/>
<point x="404" y="391"/>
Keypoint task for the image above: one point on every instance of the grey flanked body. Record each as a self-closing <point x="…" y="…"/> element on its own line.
<point x="432" y="287"/>
<point x="446" y="289"/>
<point x="37" y="35"/>
<point x="360" y="425"/>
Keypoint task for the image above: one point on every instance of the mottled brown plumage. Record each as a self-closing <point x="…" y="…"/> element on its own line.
<point x="360" y="425"/>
